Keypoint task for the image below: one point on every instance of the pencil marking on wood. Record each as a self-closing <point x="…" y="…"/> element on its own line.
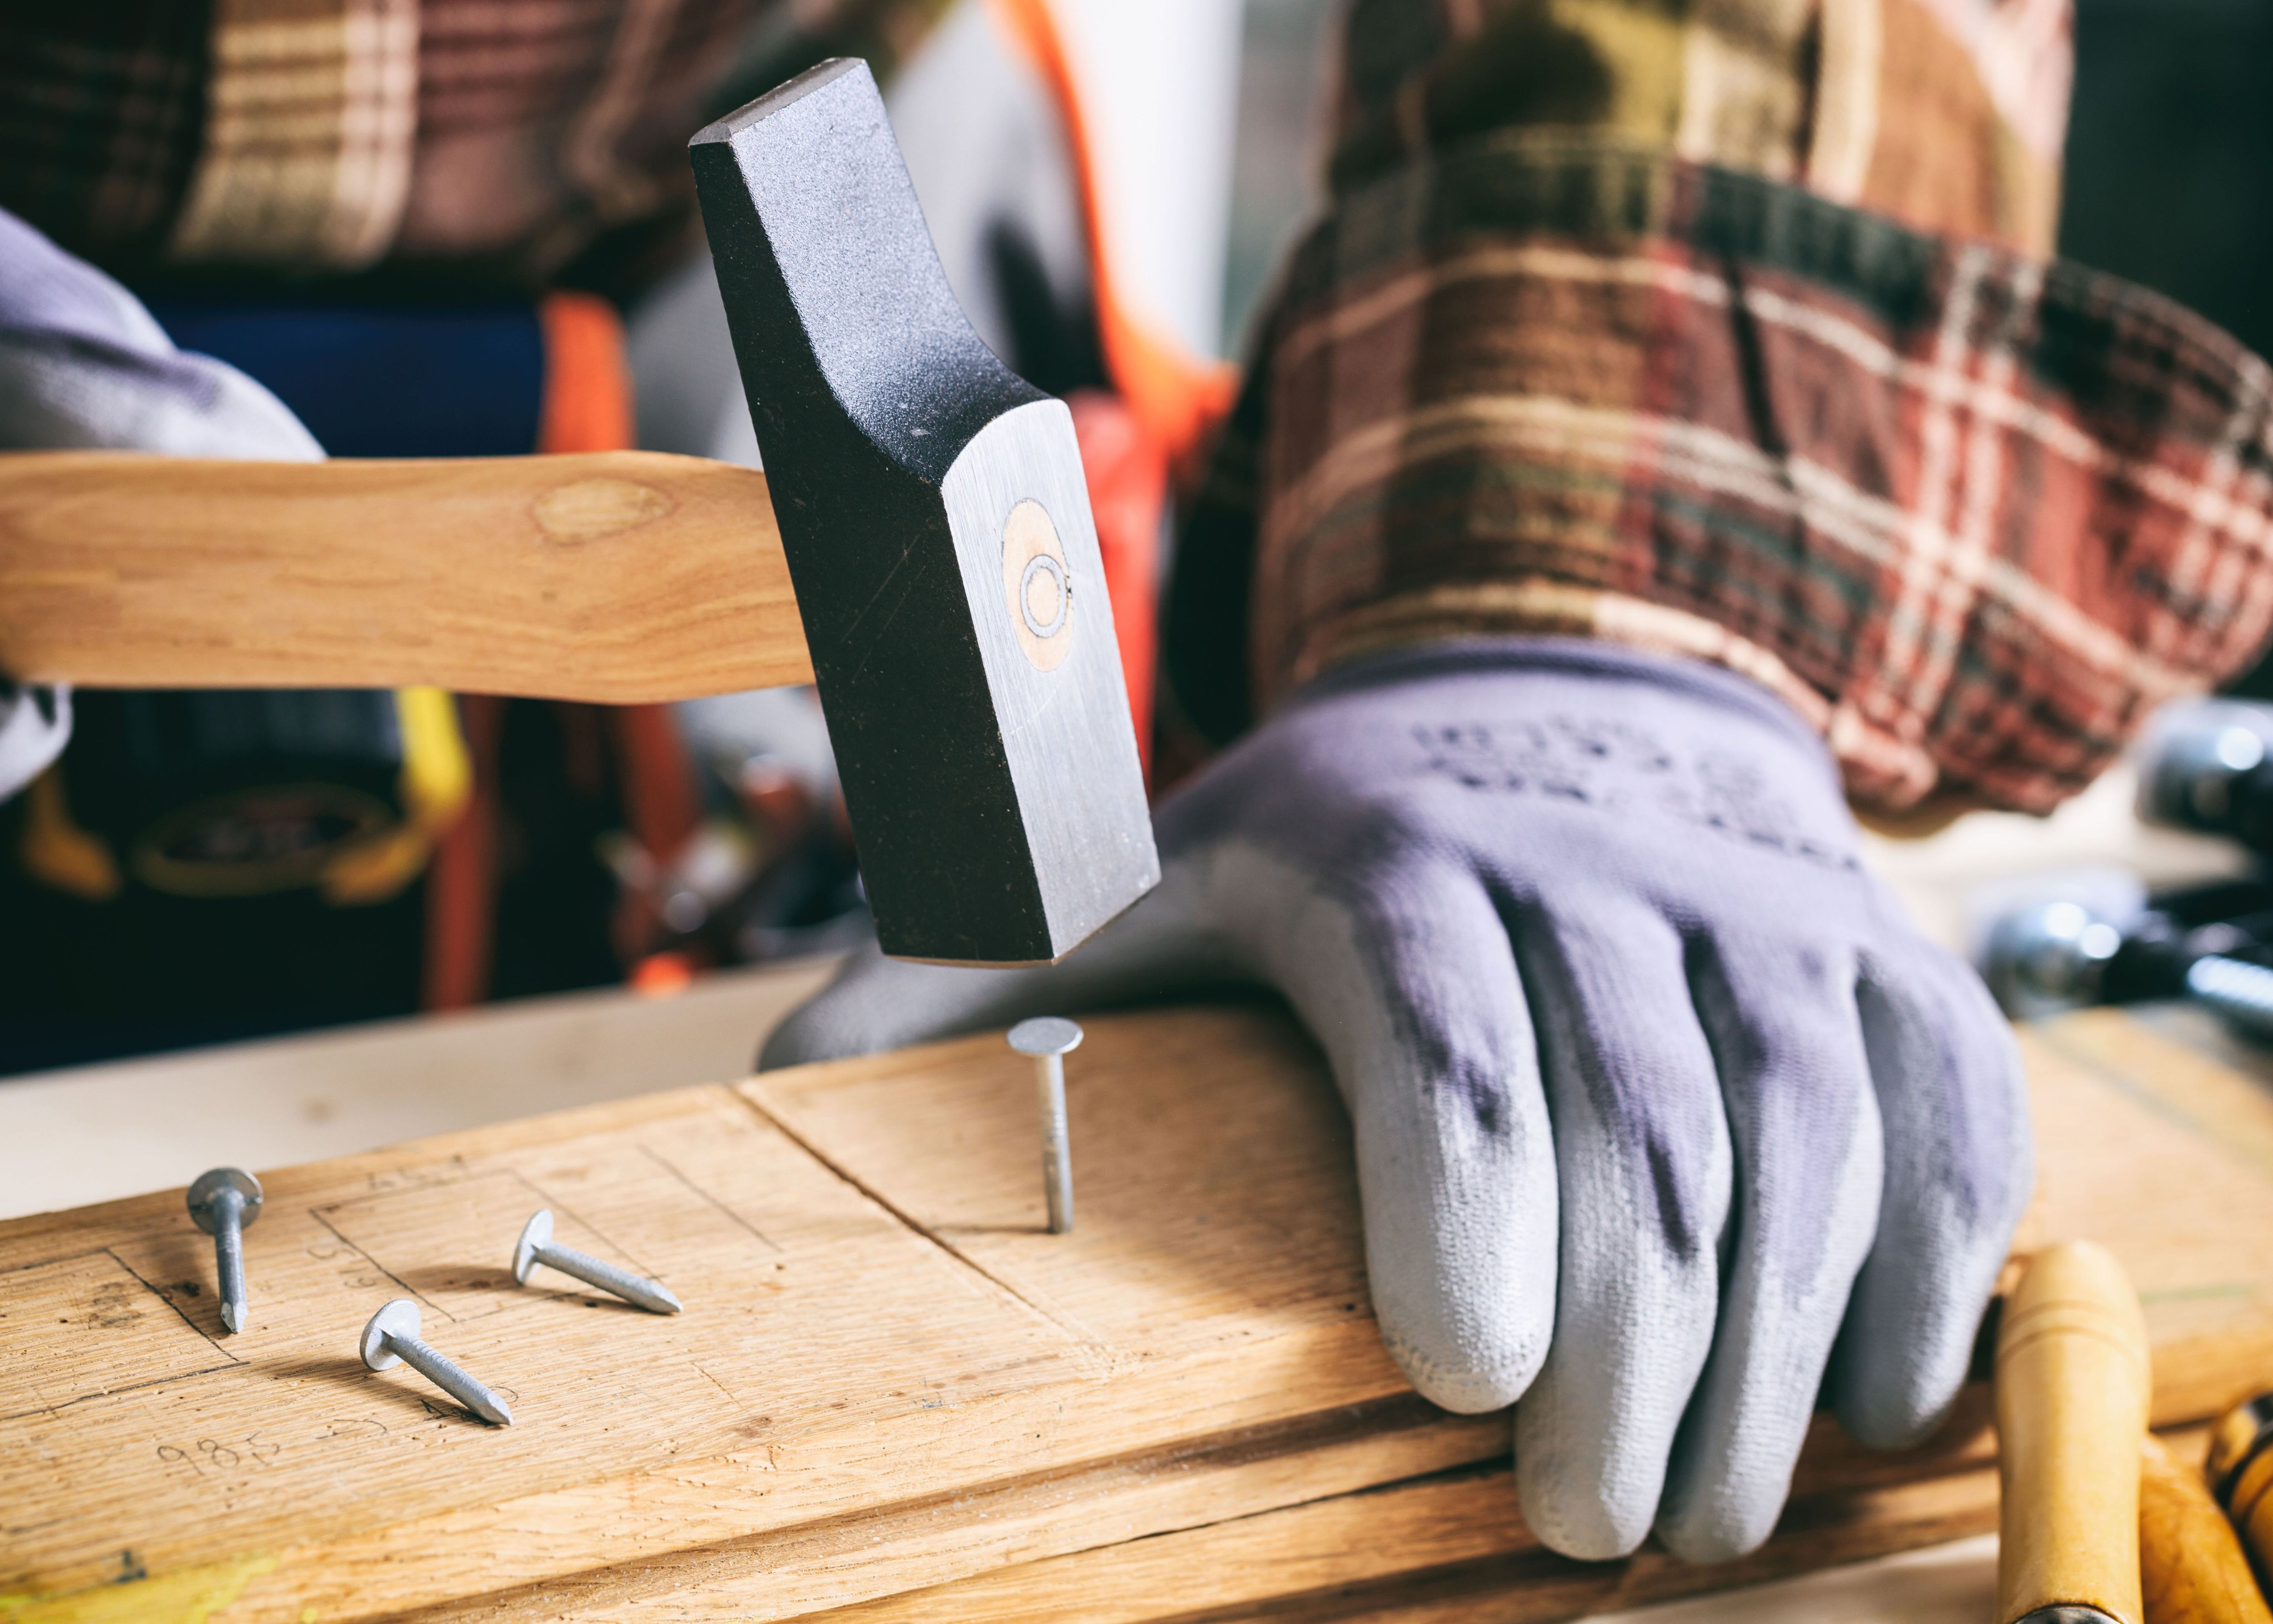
<point x="52" y="1305"/>
<point x="316" y="1212"/>
<point x="472" y="1279"/>
<point x="649" y="1151"/>
<point x="722" y="1387"/>
<point x="1097" y="1358"/>
<point x="2145" y="1088"/>
<point x="167" y="1297"/>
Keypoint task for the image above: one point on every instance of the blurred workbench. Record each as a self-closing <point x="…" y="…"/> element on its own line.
<point x="119" y="1129"/>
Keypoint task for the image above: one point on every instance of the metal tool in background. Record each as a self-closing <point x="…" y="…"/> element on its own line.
<point x="1049" y="1039"/>
<point x="222" y="1203"/>
<point x="2207" y="766"/>
<point x="391" y="1338"/>
<point x="2083" y="945"/>
<point x="536" y="1246"/>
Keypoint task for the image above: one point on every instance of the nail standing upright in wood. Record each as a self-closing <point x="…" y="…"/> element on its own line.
<point x="223" y="1202"/>
<point x="1049" y="1039"/>
<point x="2071" y="1395"/>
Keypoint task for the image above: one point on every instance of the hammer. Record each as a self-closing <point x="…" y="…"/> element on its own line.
<point x="919" y="547"/>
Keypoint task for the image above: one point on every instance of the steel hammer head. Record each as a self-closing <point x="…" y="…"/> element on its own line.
<point x="937" y="527"/>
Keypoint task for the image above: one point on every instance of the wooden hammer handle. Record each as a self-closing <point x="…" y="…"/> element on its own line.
<point x="616" y="577"/>
<point x="2072" y="1394"/>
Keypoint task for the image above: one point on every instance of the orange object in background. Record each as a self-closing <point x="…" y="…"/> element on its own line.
<point x="587" y="406"/>
<point x="461" y="876"/>
<point x="588" y="377"/>
<point x="663" y="975"/>
<point x="1128" y="477"/>
<point x="1179" y="398"/>
<point x="1166" y="403"/>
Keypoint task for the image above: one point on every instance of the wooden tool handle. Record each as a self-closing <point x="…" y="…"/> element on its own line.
<point x="2072" y="1392"/>
<point x="616" y="577"/>
<point x="2192" y="1569"/>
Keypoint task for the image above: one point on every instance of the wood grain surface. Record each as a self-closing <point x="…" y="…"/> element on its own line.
<point x="613" y="576"/>
<point x="893" y="1396"/>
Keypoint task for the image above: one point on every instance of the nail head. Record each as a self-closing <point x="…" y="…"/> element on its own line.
<point x="1046" y="1035"/>
<point x="398" y="1318"/>
<point x="210" y="1184"/>
<point x="535" y="1233"/>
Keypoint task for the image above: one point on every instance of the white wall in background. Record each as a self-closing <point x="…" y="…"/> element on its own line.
<point x="984" y="146"/>
<point x="1160" y="81"/>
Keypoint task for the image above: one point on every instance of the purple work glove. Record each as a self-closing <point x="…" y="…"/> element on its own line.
<point x="84" y="367"/>
<point x="1662" y="1109"/>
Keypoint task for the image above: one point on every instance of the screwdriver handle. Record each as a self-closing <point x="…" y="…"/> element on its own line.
<point x="2192" y="1568"/>
<point x="2073" y="1384"/>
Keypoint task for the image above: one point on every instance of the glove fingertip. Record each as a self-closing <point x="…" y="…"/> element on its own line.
<point x="1568" y="1503"/>
<point x="1895" y="1376"/>
<point x="1882" y="1421"/>
<point x="1463" y="1386"/>
<point x="1585" y="1533"/>
<point x="1719" y="1532"/>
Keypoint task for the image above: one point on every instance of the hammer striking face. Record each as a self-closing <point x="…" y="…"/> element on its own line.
<point x="937" y="528"/>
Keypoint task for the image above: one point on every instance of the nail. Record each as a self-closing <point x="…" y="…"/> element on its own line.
<point x="391" y="1339"/>
<point x="223" y="1202"/>
<point x="536" y="1246"/>
<point x="1048" y="1038"/>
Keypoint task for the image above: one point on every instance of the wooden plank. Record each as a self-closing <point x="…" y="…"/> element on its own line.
<point x="892" y="1389"/>
<point x="2167" y="1156"/>
<point x="614" y="576"/>
<point x="834" y="1363"/>
<point x="1448" y="1547"/>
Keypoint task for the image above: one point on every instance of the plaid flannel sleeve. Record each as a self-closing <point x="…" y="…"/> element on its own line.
<point x="1970" y="512"/>
<point x="408" y="144"/>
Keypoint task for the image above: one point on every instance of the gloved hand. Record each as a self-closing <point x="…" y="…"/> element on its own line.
<point x="82" y="366"/>
<point x="1662" y="1109"/>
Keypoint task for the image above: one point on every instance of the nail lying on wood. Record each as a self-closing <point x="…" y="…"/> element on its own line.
<point x="391" y="1338"/>
<point x="537" y="1246"/>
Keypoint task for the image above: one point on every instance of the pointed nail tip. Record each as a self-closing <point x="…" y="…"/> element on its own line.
<point x="233" y="1320"/>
